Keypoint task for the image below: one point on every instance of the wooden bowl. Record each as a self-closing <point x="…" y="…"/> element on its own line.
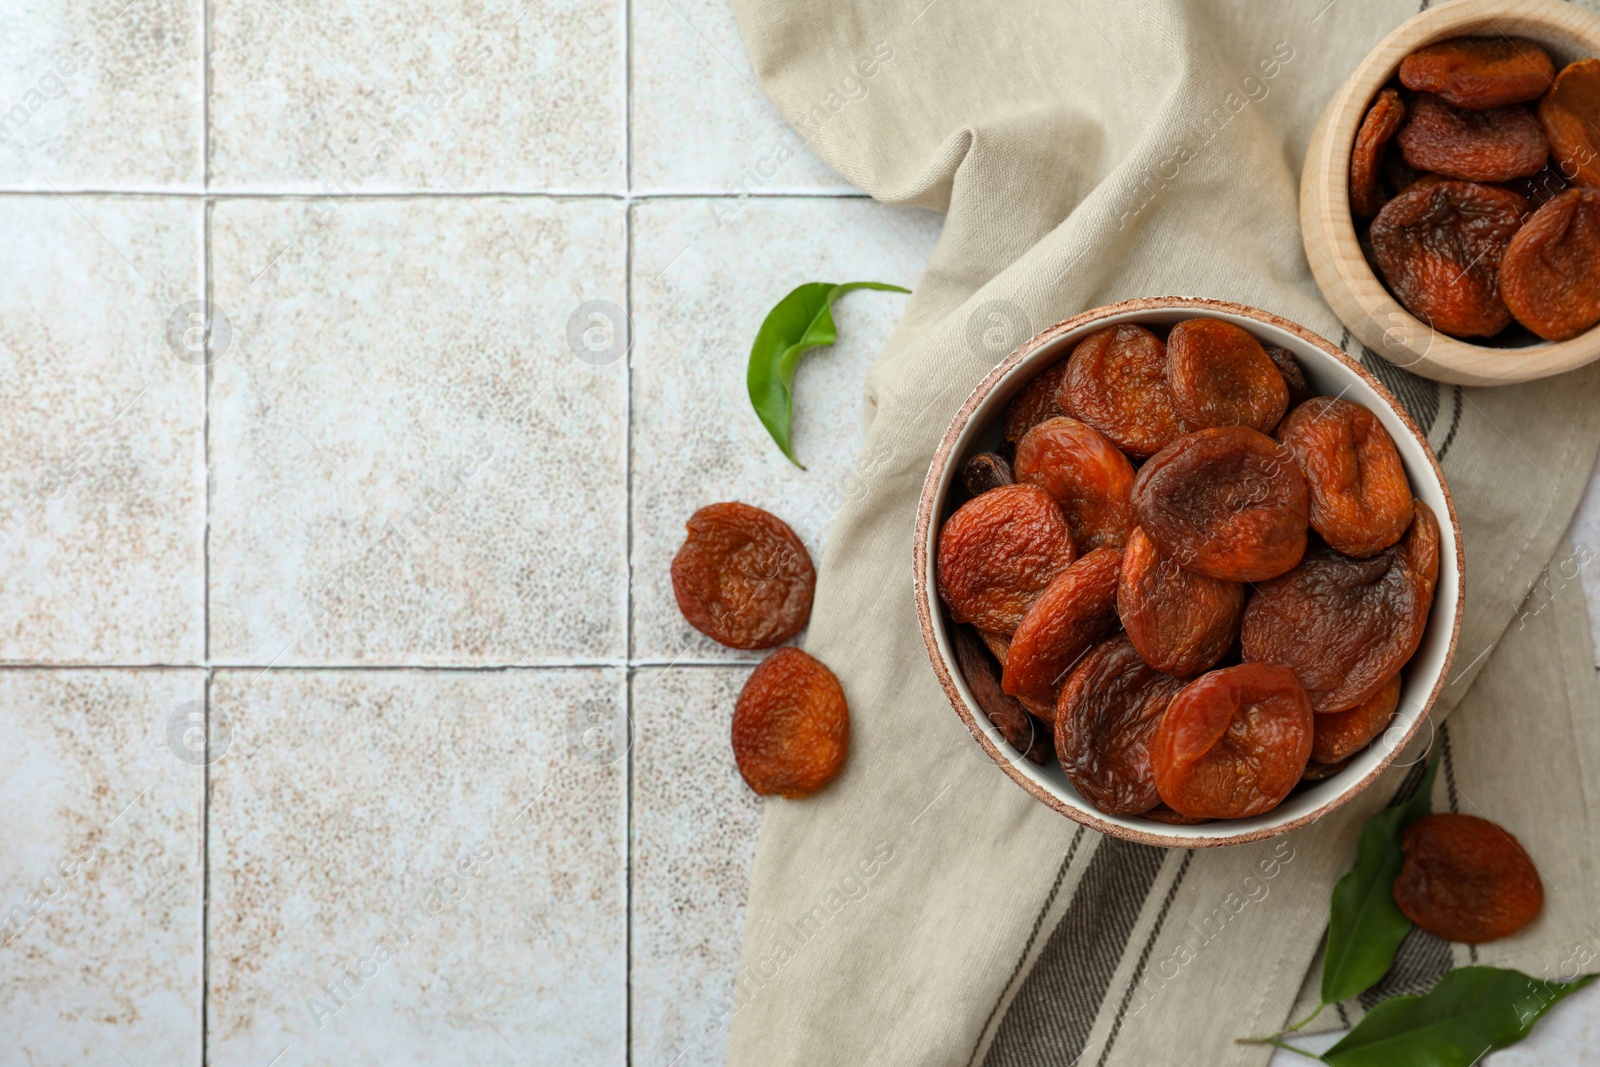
<point x="976" y="428"/>
<point x="1356" y="295"/>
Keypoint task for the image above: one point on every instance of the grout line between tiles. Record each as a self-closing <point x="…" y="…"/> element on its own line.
<point x="206" y="294"/>
<point x="444" y="194"/>
<point x="627" y="520"/>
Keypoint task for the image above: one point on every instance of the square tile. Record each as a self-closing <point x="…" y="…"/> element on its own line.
<point x="102" y="95"/>
<point x="409" y="463"/>
<point x="700" y="122"/>
<point x="102" y="452"/>
<point x="418" y="868"/>
<point x="100" y="937"/>
<point x="702" y="284"/>
<point x="361" y="96"/>
<point x="694" y="842"/>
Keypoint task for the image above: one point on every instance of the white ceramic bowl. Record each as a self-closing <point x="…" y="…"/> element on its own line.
<point x="976" y="428"/>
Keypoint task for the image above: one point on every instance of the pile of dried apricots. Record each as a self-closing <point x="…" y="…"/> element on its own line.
<point x="1480" y="173"/>
<point x="745" y="580"/>
<point x="1204" y="579"/>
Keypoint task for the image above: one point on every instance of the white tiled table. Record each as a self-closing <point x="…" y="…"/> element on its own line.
<point x="467" y="796"/>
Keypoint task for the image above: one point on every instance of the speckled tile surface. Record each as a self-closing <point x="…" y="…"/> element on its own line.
<point x="694" y="836"/>
<point x="700" y="124"/>
<point x="360" y="96"/>
<point x="415" y="867"/>
<point x="102" y="478"/>
<point x="101" y="95"/>
<point x="409" y="463"/>
<point x="100" y="868"/>
<point x="700" y="290"/>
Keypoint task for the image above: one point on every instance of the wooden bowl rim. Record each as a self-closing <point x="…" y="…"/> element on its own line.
<point x="926" y="610"/>
<point x="1325" y="206"/>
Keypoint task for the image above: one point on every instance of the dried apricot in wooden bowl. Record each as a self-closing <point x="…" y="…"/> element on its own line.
<point x="742" y="577"/>
<point x="1177" y="622"/>
<point x="1463" y="73"/>
<point x="791" y="726"/>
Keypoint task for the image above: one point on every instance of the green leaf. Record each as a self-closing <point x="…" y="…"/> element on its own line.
<point x="1471" y="1012"/>
<point x="1364" y="925"/>
<point x="801" y="321"/>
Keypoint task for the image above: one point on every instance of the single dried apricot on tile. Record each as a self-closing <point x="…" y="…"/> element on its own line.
<point x="1233" y="742"/>
<point x="1077" y="610"/>
<point x="742" y="577"/>
<point x="1040" y="399"/>
<point x="1227" y="503"/>
<point x="984" y="472"/>
<point x="1480" y="72"/>
<point x="1219" y="375"/>
<point x="1085" y="474"/>
<point x="1009" y="717"/>
<point x="1438" y="246"/>
<point x="1293" y="377"/>
<point x="1345" y="626"/>
<point x="1109" y="710"/>
<point x="1179" y="622"/>
<point x="1466" y="879"/>
<point x="1570" y="115"/>
<point x="1339" y="735"/>
<point x="1382" y="122"/>
<point x="1550" y="274"/>
<point x="1116" y="381"/>
<point x="998" y="552"/>
<point x="1494" y="145"/>
<point x="791" y="726"/>
<point x="1360" y="499"/>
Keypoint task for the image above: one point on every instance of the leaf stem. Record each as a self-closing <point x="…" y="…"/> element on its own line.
<point x="1308" y="1018"/>
<point x="1275" y="1043"/>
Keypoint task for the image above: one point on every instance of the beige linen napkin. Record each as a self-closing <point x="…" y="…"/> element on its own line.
<point x="923" y="909"/>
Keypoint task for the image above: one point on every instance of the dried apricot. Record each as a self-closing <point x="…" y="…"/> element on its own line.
<point x="1085" y="474"/>
<point x="1570" y="115"/>
<point x="1040" y="399"/>
<point x="1227" y="502"/>
<point x="1466" y="879"/>
<point x="1480" y="72"/>
<point x="1539" y="189"/>
<point x="998" y="552"/>
<point x="1116" y="381"/>
<point x="984" y="472"/>
<point x="1077" y="610"/>
<point x="1360" y="499"/>
<point x="1343" y="625"/>
<point x="1382" y="121"/>
<point x="1438" y="246"/>
<point x="1008" y="716"/>
<point x="1180" y="622"/>
<point x="1493" y="145"/>
<point x="1219" y="375"/>
<point x="1550" y="274"/>
<point x="1293" y="377"/>
<point x="1163" y="814"/>
<point x="742" y="577"/>
<point x="1341" y="734"/>
<point x="791" y="726"/>
<point x="1321" y="772"/>
<point x="999" y="647"/>
<point x="1109" y="710"/>
<point x="1233" y="742"/>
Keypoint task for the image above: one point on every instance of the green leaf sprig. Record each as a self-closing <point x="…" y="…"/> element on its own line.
<point x="1469" y="1013"/>
<point x="799" y="322"/>
<point x="1365" y="926"/>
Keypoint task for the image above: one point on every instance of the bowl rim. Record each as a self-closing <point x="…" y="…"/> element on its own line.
<point x="927" y="610"/>
<point x="1349" y="283"/>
